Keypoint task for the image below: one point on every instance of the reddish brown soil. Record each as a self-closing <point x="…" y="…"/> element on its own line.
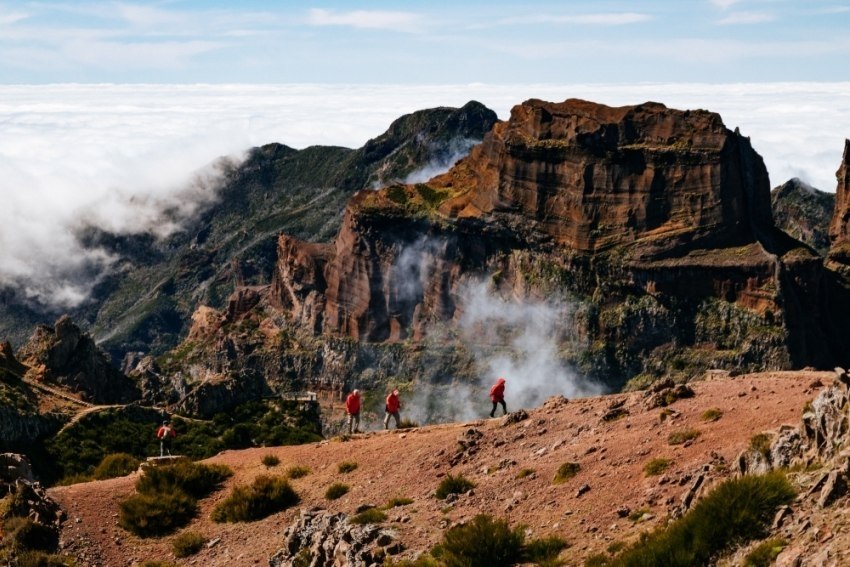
<point x="411" y="463"/>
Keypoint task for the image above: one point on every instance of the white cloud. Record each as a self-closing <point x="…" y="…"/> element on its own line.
<point x="724" y="4"/>
<point x="7" y="18"/>
<point x="368" y="19"/>
<point x="115" y="155"/>
<point x="601" y="19"/>
<point x="736" y="18"/>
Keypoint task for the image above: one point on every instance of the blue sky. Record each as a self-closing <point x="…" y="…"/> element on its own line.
<point x="438" y="41"/>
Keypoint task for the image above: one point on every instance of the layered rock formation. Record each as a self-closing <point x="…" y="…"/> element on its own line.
<point x="64" y="355"/>
<point x="839" y="228"/>
<point x="803" y="212"/>
<point x="658" y="220"/>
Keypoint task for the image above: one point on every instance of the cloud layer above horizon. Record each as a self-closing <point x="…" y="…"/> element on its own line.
<point x="114" y="156"/>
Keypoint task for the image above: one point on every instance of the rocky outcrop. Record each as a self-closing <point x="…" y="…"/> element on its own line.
<point x="64" y="355"/>
<point x="839" y="228"/>
<point x="803" y="212"/>
<point x="319" y="538"/>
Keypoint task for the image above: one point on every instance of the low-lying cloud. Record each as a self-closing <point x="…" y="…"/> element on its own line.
<point x="118" y="156"/>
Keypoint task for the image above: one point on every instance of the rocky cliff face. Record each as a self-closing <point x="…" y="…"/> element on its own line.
<point x="657" y="222"/>
<point x="64" y="355"/>
<point x="839" y="228"/>
<point x="803" y="212"/>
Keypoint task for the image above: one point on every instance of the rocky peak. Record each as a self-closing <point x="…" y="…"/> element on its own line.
<point x="9" y="365"/>
<point x="64" y="355"/>
<point x="592" y="176"/>
<point x="839" y="228"/>
<point x="803" y="212"/>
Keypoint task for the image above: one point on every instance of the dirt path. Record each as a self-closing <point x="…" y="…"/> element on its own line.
<point x="611" y="456"/>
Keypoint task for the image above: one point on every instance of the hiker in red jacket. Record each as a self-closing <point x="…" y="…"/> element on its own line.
<point x="352" y="408"/>
<point x="497" y="396"/>
<point x="391" y="408"/>
<point x="165" y="434"/>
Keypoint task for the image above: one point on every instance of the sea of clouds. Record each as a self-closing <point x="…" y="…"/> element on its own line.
<point x="116" y="156"/>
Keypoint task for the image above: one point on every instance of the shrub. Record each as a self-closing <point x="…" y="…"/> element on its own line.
<point x="656" y="466"/>
<point x="336" y="490"/>
<point x="761" y="442"/>
<point x="270" y="461"/>
<point x="682" y="436"/>
<point x="195" y="479"/>
<point x="765" y="553"/>
<point x="398" y="501"/>
<point x="712" y="414"/>
<point x="483" y="542"/>
<point x="115" y="465"/>
<point x="151" y="514"/>
<point x="544" y="551"/>
<point x="453" y="485"/>
<point x="368" y="516"/>
<point x="41" y="559"/>
<point x="28" y="535"/>
<point x="158" y="564"/>
<point x="266" y="496"/>
<point x="565" y="472"/>
<point x="297" y="471"/>
<point x="424" y="560"/>
<point x="346" y="467"/>
<point x="188" y="543"/>
<point x="737" y="511"/>
<point x="524" y="473"/>
<point x="406" y="423"/>
<point x="597" y="560"/>
<point x="636" y="515"/>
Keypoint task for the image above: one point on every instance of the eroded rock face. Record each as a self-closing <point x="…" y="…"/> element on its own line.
<point x="63" y="354"/>
<point x="839" y="228"/>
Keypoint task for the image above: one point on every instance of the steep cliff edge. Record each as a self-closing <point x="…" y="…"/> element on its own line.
<point x="803" y="212"/>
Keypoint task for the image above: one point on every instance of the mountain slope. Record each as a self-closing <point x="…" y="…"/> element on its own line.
<point x="803" y="212"/>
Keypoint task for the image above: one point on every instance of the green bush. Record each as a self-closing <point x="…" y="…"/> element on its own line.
<point x="735" y="512"/>
<point x="483" y="542"/>
<point x="270" y="461"/>
<point x="115" y="465"/>
<point x="368" y="516"/>
<point x="25" y="534"/>
<point x="424" y="560"/>
<point x="346" y="467"/>
<point x="42" y="559"/>
<point x="544" y="552"/>
<point x="266" y="496"/>
<point x="297" y="471"/>
<point x="524" y="473"/>
<point x="152" y="514"/>
<point x="398" y="501"/>
<point x="195" y="479"/>
<point x="656" y="466"/>
<point x="565" y="472"/>
<point x="765" y="553"/>
<point x="336" y="490"/>
<point x="682" y="436"/>
<point x="712" y="414"/>
<point x="453" y="485"/>
<point x="157" y="564"/>
<point x="188" y="543"/>
<point x="597" y="560"/>
<point x="761" y="442"/>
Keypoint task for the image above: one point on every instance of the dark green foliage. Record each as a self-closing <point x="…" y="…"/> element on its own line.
<point x="432" y="197"/>
<point x="544" y="551"/>
<point x="156" y="513"/>
<point x="453" y="485"/>
<point x="195" y="479"/>
<point x="597" y="560"/>
<point x="524" y="473"/>
<point x="157" y="564"/>
<point x="761" y="442"/>
<point x="115" y="465"/>
<point x="397" y="194"/>
<point x="187" y="543"/>
<point x="297" y="471"/>
<point x="24" y="534"/>
<point x="368" y="516"/>
<point x="42" y="559"/>
<point x="565" y="472"/>
<point x="712" y="414"/>
<point x="735" y="512"/>
<point x="765" y="553"/>
<point x="398" y="501"/>
<point x="483" y="542"/>
<point x="271" y="461"/>
<point x="656" y="466"/>
<point x="346" y="467"/>
<point x="682" y="436"/>
<point x="266" y="496"/>
<point x="424" y="560"/>
<point x="336" y="490"/>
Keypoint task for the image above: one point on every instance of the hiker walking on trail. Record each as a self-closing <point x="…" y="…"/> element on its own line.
<point x="352" y="408"/>
<point x="392" y="406"/>
<point x="165" y="434"/>
<point x="497" y="396"/>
